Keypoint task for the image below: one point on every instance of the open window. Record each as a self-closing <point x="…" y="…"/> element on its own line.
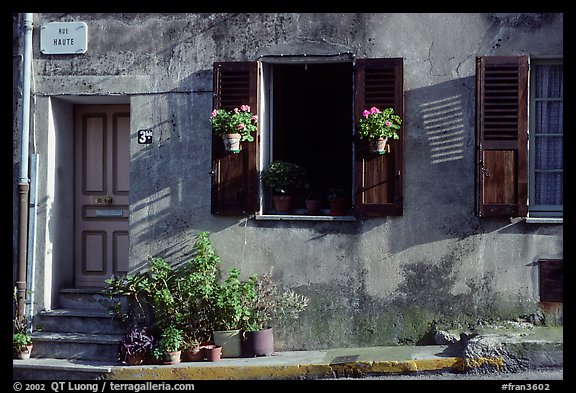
<point x="308" y="114"/>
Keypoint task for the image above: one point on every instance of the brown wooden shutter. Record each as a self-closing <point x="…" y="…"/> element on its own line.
<point x="378" y="178"/>
<point x="502" y="126"/>
<point x="234" y="176"/>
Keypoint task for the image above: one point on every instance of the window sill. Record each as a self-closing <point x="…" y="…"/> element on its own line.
<point x="544" y="220"/>
<point x="300" y="217"/>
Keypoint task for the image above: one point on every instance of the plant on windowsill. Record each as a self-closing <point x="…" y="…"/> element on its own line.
<point x="284" y="179"/>
<point x="314" y="200"/>
<point x="21" y="338"/>
<point x="378" y="127"/>
<point x="234" y="126"/>
<point x="338" y="200"/>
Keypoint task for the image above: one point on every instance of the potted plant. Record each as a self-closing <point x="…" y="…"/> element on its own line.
<point x="338" y="200"/>
<point x="135" y="346"/>
<point x="21" y="338"/>
<point x="378" y="126"/>
<point x="284" y="179"/>
<point x="230" y="308"/>
<point x="169" y="346"/>
<point x="268" y="306"/>
<point x="314" y="200"/>
<point x="234" y="126"/>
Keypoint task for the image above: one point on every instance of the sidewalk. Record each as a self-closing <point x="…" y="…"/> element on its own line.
<point x="488" y="351"/>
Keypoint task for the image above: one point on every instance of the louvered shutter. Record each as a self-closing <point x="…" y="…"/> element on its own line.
<point x="234" y="176"/>
<point x="501" y="115"/>
<point x="378" y="178"/>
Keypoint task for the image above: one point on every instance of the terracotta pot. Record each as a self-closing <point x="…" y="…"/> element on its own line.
<point x="136" y="359"/>
<point x="282" y="203"/>
<point x="313" y="206"/>
<point x="380" y="146"/>
<point x="258" y="343"/>
<point x="213" y="352"/>
<point x="194" y="354"/>
<point x="232" y="142"/>
<point x="339" y="206"/>
<point x="171" y="357"/>
<point x="25" y="353"/>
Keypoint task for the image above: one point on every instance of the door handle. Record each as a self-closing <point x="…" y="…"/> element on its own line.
<point x="108" y="200"/>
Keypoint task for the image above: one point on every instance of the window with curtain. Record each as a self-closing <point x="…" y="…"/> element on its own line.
<point x="546" y="170"/>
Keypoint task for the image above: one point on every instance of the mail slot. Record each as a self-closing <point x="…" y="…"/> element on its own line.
<point x="109" y="212"/>
<point x="93" y="212"/>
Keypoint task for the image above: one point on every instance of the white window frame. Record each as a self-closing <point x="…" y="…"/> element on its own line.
<point x="538" y="213"/>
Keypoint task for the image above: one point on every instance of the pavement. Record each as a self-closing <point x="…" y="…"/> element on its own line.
<point x="498" y="349"/>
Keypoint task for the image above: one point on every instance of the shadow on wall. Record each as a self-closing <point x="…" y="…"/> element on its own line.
<point x="170" y="186"/>
<point x="443" y="120"/>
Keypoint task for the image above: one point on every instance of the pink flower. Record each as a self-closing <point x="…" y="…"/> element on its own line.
<point x="254" y="118"/>
<point x="245" y="108"/>
<point x="241" y="126"/>
<point x="374" y="110"/>
<point x="388" y="123"/>
<point x="214" y="113"/>
<point x="366" y="113"/>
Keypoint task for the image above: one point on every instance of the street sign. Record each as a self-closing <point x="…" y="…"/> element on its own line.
<point x="61" y="38"/>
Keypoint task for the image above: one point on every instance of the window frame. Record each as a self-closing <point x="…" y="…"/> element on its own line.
<point x="265" y="132"/>
<point x="376" y="181"/>
<point x="539" y="213"/>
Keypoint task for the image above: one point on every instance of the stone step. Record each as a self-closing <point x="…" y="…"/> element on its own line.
<point x="59" y="369"/>
<point x="85" y="298"/>
<point x="79" y="320"/>
<point x="77" y="346"/>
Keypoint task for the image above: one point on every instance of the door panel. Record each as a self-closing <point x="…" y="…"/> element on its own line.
<point x="102" y="160"/>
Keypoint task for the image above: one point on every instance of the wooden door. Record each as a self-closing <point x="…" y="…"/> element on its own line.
<point x="101" y="178"/>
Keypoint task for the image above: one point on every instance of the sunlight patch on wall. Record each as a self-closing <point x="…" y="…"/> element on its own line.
<point x="443" y="121"/>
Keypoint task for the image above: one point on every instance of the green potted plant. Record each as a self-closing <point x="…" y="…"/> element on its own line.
<point x="268" y="306"/>
<point x="230" y="301"/>
<point x="135" y="346"/>
<point x="234" y="126"/>
<point x="339" y="201"/>
<point x="168" y="349"/>
<point x="378" y="126"/>
<point x="21" y="338"/>
<point x="284" y="179"/>
<point x="314" y="200"/>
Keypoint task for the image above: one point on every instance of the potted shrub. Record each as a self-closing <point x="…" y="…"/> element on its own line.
<point x="234" y="126"/>
<point x="378" y="127"/>
<point x="135" y="346"/>
<point x="314" y="200"/>
<point x="284" y="179"/>
<point x="338" y="200"/>
<point x="230" y="308"/>
<point x="168" y="349"/>
<point x="21" y="338"/>
<point x="268" y="306"/>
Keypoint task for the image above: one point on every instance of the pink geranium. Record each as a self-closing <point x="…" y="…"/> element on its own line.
<point x="238" y="120"/>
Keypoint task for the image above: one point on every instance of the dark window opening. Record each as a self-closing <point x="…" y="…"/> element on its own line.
<point x="551" y="280"/>
<point x="312" y="123"/>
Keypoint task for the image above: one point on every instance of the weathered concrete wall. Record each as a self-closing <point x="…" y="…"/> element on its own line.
<point x="371" y="282"/>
